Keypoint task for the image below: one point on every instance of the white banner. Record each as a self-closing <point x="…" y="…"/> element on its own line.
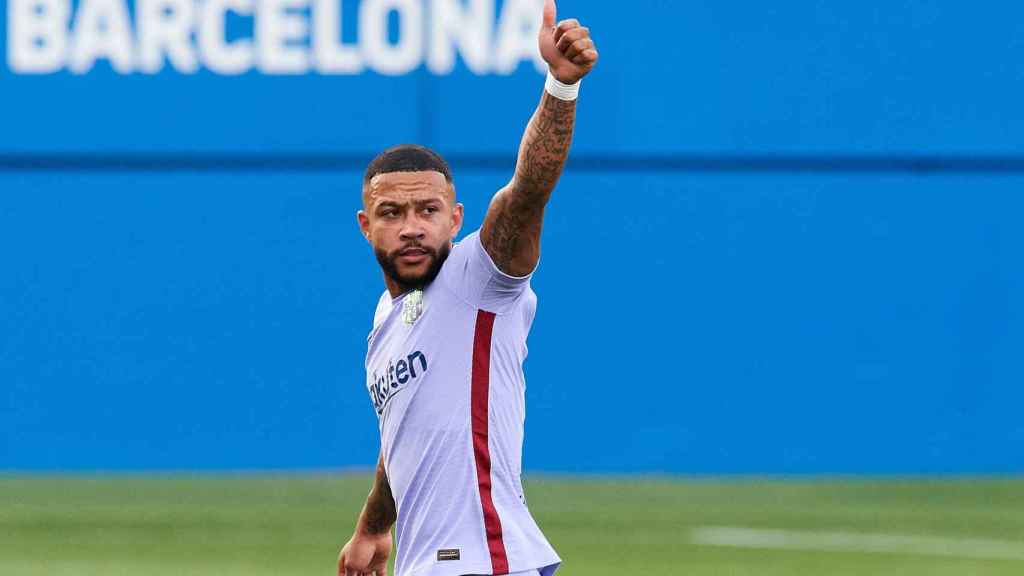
<point x="288" y="36"/>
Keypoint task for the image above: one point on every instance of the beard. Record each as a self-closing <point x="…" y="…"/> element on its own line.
<point x="408" y="282"/>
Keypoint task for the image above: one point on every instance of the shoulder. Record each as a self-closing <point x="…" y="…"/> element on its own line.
<point x="384" y="305"/>
<point x="464" y="249"/>
<point x="471" y="273"/>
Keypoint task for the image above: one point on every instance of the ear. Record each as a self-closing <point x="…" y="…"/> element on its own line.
<point x="364" y="224"/>
<point x="457" y="214"/>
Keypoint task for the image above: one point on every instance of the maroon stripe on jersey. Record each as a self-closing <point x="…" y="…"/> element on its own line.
<point x="481" y="451"/>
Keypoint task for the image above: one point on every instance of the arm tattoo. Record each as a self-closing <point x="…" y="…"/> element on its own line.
<point x="379" y="512"/>
<point x="511" y="231"/>
<point x="545" y="146"/>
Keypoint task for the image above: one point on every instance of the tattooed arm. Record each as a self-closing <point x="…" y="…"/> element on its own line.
<point x="511" y="230"/>
<point x="368" y="550"/>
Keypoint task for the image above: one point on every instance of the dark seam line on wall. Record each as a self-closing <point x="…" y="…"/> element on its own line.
<point x="581" y="162"/>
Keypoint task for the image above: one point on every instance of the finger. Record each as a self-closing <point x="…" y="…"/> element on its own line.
<point x="585" y="58"/>
<point x="572" y="36"/>
<point x="564" y="26"/>
<point x="577" y="47"/>
<point x="550" y="11"/>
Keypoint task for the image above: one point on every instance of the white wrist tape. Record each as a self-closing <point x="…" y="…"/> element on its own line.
<point x="561" y="91"/>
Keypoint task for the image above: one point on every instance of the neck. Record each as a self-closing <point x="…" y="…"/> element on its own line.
<point x="394" y="288"/>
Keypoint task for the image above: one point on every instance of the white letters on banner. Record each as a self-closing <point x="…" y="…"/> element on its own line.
<point x="164" y="28"/>
<point x="101" y="31"/>
<point x="37" y="41"/>
<point x="287" y="36"/>
<point x="465" y="25"/>
<point x="278" y="29"/>
<point x="214" y="51"/>
<point x="332" y="56"/>
<point x="381" y="55"/>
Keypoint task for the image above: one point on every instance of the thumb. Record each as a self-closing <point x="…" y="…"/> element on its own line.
<point x="550" y="11"/>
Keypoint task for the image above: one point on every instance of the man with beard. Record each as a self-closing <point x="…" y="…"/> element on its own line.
<point x="445" y="357"/>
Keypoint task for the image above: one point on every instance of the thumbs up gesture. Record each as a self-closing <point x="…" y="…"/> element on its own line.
<point x="566" y="46"/>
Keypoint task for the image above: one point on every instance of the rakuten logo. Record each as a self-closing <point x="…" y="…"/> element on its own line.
<point x="383" y="386"/>
<point x="287" y="36"/>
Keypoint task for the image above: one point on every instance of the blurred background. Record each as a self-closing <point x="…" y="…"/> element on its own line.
<point x="781" y="298"/>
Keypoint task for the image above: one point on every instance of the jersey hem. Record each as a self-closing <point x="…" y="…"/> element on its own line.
<point x="483" y="569"/>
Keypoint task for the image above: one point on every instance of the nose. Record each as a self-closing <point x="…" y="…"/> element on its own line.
<point x="411" y="230"/>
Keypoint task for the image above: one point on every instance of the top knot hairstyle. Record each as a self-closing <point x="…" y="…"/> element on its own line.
<point x="407" y="158"/>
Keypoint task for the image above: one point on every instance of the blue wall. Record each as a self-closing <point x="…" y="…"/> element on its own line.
<point x="790" y="242"/>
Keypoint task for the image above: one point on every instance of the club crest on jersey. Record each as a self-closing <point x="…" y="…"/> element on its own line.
<point x="382" y="387"/>
<point x="412" y="306"/>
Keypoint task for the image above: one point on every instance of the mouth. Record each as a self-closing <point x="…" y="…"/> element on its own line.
<point x="413" y="256"/>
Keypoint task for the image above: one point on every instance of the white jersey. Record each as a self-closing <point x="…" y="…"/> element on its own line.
<point x="445" y="375"/>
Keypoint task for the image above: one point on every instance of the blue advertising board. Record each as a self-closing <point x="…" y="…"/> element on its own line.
<point x="788" y="239"/>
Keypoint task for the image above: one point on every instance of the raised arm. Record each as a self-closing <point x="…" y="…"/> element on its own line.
<point x="368" y="550"/>
<point x="511" y="229"/>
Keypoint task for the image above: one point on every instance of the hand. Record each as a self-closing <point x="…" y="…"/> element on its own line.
<point x="566" y="47"/>
<point x="365" y="555"/>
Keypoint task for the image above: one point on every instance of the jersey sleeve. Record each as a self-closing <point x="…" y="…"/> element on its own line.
<point x="383" y="309"/>
<point x="473" y="276"/>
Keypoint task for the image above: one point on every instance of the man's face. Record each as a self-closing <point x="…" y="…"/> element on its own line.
<point x="410" y="219"/>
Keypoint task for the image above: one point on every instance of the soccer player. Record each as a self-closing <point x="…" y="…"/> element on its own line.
<point x="445" y="357"/>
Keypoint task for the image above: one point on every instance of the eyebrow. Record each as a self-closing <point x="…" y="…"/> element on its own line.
<point x="417" y="203"/>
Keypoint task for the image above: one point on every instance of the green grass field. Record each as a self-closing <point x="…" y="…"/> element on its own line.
<point x="284" y="525"/>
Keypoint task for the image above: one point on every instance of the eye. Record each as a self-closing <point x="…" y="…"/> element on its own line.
<point x="431" y="210"/>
